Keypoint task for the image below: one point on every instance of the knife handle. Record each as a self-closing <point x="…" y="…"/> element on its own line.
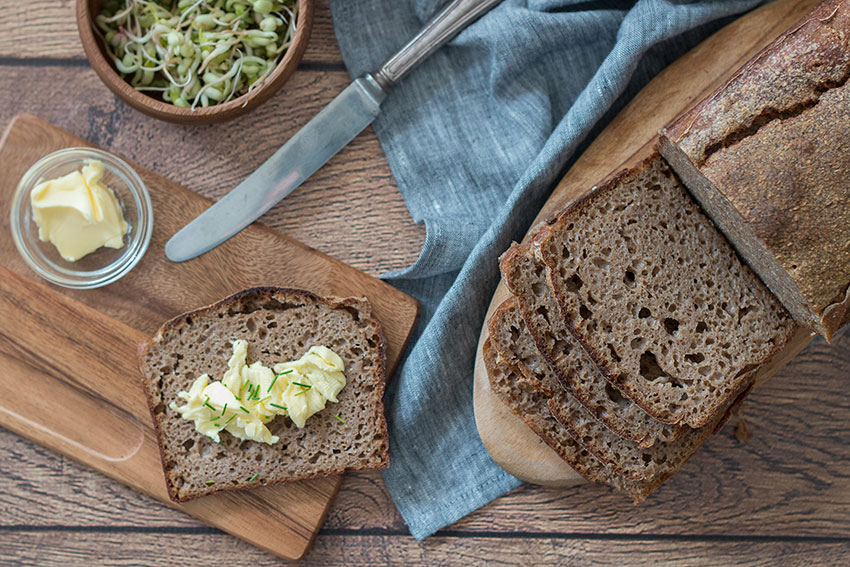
<point x="444" y="26"/>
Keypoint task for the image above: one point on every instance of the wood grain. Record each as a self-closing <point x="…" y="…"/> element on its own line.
<point x="60" y="548"/>
<point x="47" y="29"/>
<point x="65" y="376"/>
<point x="59" y="512"/>
<point x="622" y="143"/>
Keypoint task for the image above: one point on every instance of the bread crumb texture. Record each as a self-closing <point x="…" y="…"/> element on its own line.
<point x="278" y="324"/>
<point x="659" y="298"/>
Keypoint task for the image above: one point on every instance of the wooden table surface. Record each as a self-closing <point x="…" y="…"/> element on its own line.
<point x="783" y="498"/>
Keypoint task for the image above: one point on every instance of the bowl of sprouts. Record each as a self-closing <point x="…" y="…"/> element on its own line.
<point x="194" y="61"/>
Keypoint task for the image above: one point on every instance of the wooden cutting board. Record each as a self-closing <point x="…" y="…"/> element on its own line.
<point x="68" y="357"/>
<point x="621" y="144"/>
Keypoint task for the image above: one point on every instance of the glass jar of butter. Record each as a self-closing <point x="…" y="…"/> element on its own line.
<point x="105" y="265"/>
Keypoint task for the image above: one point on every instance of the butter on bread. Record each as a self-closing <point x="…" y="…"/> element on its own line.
<point x="279" y="324"/>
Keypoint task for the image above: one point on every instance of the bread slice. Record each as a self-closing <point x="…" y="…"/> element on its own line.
<point x="526" y="277"/>
<point x="279" y="325"/>
<point x="766" y="157"/>
<point x="657" y="296"/>
<point x="529" y="403"/>
<point x="651" y="466"/>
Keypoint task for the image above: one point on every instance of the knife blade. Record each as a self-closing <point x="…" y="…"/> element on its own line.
<point x="319" y="140"/>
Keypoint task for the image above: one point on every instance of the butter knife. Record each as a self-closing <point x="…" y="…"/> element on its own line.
<point x="319" y="140"/>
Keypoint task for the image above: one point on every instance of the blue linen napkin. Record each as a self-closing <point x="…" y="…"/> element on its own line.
<point x="476" y="138"/>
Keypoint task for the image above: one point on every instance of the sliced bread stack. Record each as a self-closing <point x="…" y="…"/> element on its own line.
<point x="632" y="316"/>
<point x="634" y="327"/>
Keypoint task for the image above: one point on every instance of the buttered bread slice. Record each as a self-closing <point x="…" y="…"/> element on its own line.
<point x="278" y="325"/>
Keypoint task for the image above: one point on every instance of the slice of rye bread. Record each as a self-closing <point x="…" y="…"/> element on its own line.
<point x="658" y="297"/>
<point x="279" y="325"/>
<point x="530" y="404"/>
<point x="525" y="275"/>
<point x="654" y="464"/>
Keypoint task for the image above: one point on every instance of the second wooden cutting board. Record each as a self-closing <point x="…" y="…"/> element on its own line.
<point x="690" y="78"/>
<point x="68" y="357"/>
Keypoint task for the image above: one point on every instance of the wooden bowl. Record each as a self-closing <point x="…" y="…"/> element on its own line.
<point x="96" y="53"/>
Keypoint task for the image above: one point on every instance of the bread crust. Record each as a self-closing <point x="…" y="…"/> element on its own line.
<point x="626" y="424"/>
<point x="766" y="156"/>
<point x="617" y="378"/>
<point x="364" y="310"/>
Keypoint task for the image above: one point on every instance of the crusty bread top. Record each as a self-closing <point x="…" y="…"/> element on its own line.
<point x="278" y="324"/>
<point x="773" y="144"/>
<point x="787" y="76"/>
<point x="658" y="297"/>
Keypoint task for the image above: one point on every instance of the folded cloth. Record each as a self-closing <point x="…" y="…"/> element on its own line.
<point x="476" y="138"/>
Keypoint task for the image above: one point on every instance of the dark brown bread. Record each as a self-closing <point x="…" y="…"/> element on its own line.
<point x="529" y="403"/>
<point x="279" y="325"/>
<point x="526" y="277"/>
<point x="766" y="157"/>
<point x="651" y="465"/>
<point x="648" y="465"/>
<point x="657" y="296"/>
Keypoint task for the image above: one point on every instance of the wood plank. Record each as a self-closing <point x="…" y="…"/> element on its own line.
<point x="60" y="548"/>
<point x="156" y="290"/>
<point x="788" y="488"/>
<point x="75" y="403"/>
<point x="49" y="30"/>
<point x="624" y="141"/>
<point x="351" y="208"/>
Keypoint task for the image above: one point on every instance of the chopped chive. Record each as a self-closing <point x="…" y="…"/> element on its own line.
<point x="306" y="386"/>
<point x="209" y="406"/>
<point x="339" y="418"/>
<point x="279" y="407"/>
<point x="210" y="482"/>
<point x="253" y="478"/>
<point x="232" y="417"/>
<point x="276" y="376"/>
<point x="224" y="409"/>
<point x="250" y="391"/>
<point x="243" y="409"/>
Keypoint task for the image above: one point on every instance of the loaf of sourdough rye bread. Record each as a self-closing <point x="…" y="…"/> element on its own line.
<point x="766" y="155"/>
<point x="279" y="325"/>
<point x="658" y="298"/>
